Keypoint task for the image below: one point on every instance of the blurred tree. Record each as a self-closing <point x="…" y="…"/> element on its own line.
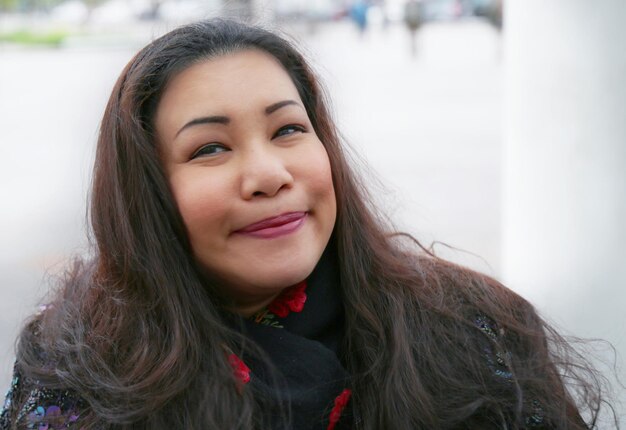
<point x="92" y="3"/>
<point x="28" y="5"/>
<point x="7" y="5"/>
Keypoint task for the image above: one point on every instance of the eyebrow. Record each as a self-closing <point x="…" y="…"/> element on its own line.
<point x="274" y="107"/>
<point x="204" y="120"/>
<point x="220" y="119"/>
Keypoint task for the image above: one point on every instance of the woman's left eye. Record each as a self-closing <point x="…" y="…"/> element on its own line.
<point x="289" y="129"/>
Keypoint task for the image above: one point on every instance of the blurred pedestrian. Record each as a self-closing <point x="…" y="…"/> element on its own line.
<point x="413" y="17"/>
<point x="358" y="13"/>
<point x="491" y="10"/>
<point x="494" y="14"/>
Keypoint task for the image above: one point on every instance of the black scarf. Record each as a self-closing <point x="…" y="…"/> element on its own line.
<point x="305" y="348"/>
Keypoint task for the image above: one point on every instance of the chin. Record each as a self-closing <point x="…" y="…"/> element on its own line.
<point x="285" y="269"/>
<point x="280" y="278"/>
<point x="259" y="275"/>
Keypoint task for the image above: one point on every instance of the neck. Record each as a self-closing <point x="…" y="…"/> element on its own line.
<point x="248" y="308"/>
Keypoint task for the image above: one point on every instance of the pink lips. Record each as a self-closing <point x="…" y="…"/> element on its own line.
<point x="276" y="226"/>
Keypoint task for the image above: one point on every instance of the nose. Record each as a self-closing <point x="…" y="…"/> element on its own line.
<point x="264" y="173"/>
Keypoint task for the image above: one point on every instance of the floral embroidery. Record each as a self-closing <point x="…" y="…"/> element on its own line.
<point x="265" y="317"/>
<point x="290" y="300"/>
<point x="340" y="403"/>
<point x="241" y="371"/>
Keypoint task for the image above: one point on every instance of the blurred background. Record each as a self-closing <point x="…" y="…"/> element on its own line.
<point x="495" y="132"/>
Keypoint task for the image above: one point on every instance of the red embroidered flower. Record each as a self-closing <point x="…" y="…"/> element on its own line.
<point x="290" y="300"/>
<point x="340" y="403"/>
<point x="241" y="371"/>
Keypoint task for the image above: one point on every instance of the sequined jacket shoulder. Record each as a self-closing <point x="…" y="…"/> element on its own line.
<point x="29" y="405"/>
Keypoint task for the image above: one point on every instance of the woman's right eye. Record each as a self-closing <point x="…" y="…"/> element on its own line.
<point x="209" y="150"/>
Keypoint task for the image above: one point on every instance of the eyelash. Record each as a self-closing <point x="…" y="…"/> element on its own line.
<point x="295" y="127"/>
<point x="200" y="151"/>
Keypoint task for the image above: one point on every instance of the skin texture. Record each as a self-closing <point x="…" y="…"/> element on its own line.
<point x="259" y="158"/>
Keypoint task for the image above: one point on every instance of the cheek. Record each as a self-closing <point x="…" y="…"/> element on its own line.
<point x="321" y="181"/>
<point x="202" y="203"/>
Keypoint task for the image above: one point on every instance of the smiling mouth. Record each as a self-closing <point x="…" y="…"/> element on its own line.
<point x="275" y="226"/>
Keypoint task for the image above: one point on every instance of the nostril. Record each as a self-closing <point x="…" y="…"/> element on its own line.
<point x="266" y="193"/>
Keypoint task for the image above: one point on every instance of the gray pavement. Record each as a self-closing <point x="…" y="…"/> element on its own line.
<point x="429" y="128"/>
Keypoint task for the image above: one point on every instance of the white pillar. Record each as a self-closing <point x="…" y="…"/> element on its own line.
<point x="564" y="224"/>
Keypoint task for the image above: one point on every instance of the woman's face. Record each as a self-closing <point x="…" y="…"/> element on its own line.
<point x="250" y="177"/>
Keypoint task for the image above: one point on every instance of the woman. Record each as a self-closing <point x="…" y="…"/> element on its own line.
<point x="240" y="279"/>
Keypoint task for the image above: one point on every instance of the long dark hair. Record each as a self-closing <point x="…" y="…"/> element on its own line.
<point x="139" y="334"/>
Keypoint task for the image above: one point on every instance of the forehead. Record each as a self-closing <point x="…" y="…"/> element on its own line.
<point x="224" y="85"/>
<point x="239" y="67"/>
